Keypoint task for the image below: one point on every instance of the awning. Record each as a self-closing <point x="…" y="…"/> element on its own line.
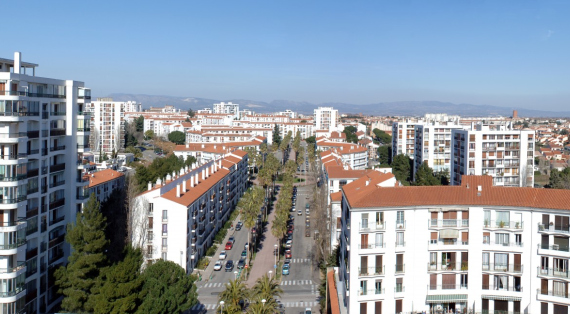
<point x="449" y="234"/>
<point x="446" y="298"/>
<point x="500" y="297"/>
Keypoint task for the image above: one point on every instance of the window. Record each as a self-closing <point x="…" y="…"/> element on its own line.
<point x="501" y="282"/>
<point x="486" y="237"/>
<point x="165" y="215"/>
<point x="364" y="221"/>
<point x="363" y="285"/>
<point x="378" y="286"/>
<point x="164" y="229"/>
<point x="399" y="285"/>
<point x="379" y="240"/>
<point x="501" y="261"/>
<point x="502" y="239"/>
<point x="400" y="239"/>
<point x="433" y="258"/>
<point x="559" y="288"/>
<point x="379" y="218"/>
<point x="164" y="256"/>
<point x="463" y="281"/>
<point x="400" y="217"/>
<point x="164" y="242"/>
<point x="485" y="260"/>
<point x="502" y="219"/>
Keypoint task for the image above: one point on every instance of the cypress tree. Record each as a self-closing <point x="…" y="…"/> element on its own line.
<point x="78" y="279"/>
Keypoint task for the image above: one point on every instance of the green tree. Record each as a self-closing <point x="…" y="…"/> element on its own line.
<point x="564" y="132"/>
<point x="311" y="140"/>
<point x="135" y="151"/>
<point x="276" y="135"/>
<point x="149" y="134"/>
<point x="382" y="136"/>
<point x="402" y="168"/>
<point x="177" y="137"/>
<point x="350" y="133"/>
<point x="249" y="206"/>
<point x="425" y="176"/>
<point x="130" y="139"/>
<point x="384" y="154"/>
<point x="139" y="123"/>
<point x="191" y="113"/>
<point x="559" y="179"/>
<point x="121" y="285"/>
<point x="167" y="289"/>
<point x="78" y="280"/>
<point x="234" y="294"/>
<point x="190" y="160"/>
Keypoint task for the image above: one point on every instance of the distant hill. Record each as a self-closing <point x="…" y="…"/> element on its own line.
<point x="407" y="108"/>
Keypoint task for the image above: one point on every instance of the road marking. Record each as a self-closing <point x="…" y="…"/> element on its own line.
<point x="301" y="260"/>
<point x="297" y="283"/>
<point x="300" y="304"/>
<point x="213" y="285"/>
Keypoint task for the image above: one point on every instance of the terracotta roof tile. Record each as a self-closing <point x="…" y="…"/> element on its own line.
<point x="103" y="176"/>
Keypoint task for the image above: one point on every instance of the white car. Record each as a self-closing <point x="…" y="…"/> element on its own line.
<point x="218" y="266"/>
<point x="289" y="244"/>
<point x="223" y="255"/>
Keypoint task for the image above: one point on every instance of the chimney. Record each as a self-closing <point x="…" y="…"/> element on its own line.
<point x="149" y="185"/>
<point x="17" y="62"/>
<point x="192" y="181"/>
<point x="203" y="174"/>
<point x="187" y="145"/>
<point x="178" y="190"/>
<point x="202" y="145"/>
<point x="196" y="179"/>
<point x="207" y="172"/>
<point x="367" y="182"/>
<point x="158" y="182"/>
<point x="168" y="177"/>
<point x="214" y="146"/>
<point x="183" y="186"/>
<point x="173" y="175"/>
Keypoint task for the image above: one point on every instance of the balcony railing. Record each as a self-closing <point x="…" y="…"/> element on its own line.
<point x="82" y="196"/>
<point x="372" y="226"/>
<point x="554" y="247"/>
<point x="57" y="167"/>
<point x="14" y="292"/>
<point x="12" y="200"/>
<point x="57" y="240"/>
<point x="447" y="287"/>
<point x="56" y="148"/>
<point x="33" y="151"/>
<point x="560" y="294"/>
<point x="502" y="288"/>
<point x="17" y="244"/>
<point x="515" y="244"/>
<point x="370" y="246"/>
<point x="56" y="132"/>
<point x="507" y="268"/>
<point x="457" y="266"/>
<point x="79" y="146"/>
<point x="33" y="134"/>
<point x="551" y="272"/>
<point x="57" y="203"/>
<point x="401" y="224"/>
<point x="83" y="129"/>
<point x="553" y="228"/>
<point x="371" y="271"/>
<point x="448" y="223"/>
<point x="400" y="268"/>
<point x="15" y="178"/>
<point x="57" y="113"/>
<point x="503" y="224"/>
<point x="56" y="220"/>
<point x="57" y="183"/>
<point x="19" y="266"/>
<point x="371" y="291"/>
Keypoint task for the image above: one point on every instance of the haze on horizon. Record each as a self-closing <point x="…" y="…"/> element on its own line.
<point x="502" y="53"/>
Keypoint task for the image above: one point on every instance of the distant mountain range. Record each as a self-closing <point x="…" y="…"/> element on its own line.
<point x="397" y="108"/>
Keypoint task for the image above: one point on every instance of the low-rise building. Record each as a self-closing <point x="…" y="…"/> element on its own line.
<point x="103" y="183"/>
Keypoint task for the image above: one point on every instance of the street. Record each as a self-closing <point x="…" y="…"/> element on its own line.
<point x="300" y="287"/>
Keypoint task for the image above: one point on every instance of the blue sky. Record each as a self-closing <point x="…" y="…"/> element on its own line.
<point x="505" y="53"/>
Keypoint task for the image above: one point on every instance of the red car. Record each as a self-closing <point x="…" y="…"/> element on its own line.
<point x="253" y="231"/>
<point x="288" y="254"/>
<point x="290" y="231"/>
<point x="291" y="226"/>
<point x="229" y="245"/>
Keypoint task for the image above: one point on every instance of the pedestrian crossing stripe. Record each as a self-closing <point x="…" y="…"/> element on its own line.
<point x="296" y="282"/>
<point x="301" y="304"/>
<point x="300" y="260"/>
<point x="213" y="285"/>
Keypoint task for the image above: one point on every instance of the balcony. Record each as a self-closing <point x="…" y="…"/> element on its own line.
<point x="19" y="266"/>
<point x="33" y="151"/>
<point x="14" y="156"/>
<point x="518" y="225"/>
<point x="57" y="203"/>
<point x="371" y="226"/>
<point x="503" y="268"/>
<point x="84" y="113"/>
<point x="33" y="134"/>
<point x="15" y="178"/>
<point x="32" y="212"/>
<point x="552" y="296"/>
<point x="504" y="244"/>
<point x="455" y="266"/>
<point x="551" y="272"/>
<point x="400" y="225"/>
<point x="502" y="288"/>
<point x="371" y="292"/>
<point x="448" y="223"/>
<point x="56" y="220"/>
<point x="31" y="253"/>
<point x="57" y="183"/>
<point x="57" y="148"/>
<point x="83" y="129"/>
<point x="57" y="167"/>
<point x="371" y="271"/>
<point x="554" y="228"/>
<point x="57" y="132"/>
<point x="58" y="113"/>
<point x="55" y="257"/>
<point x="17" y="244"/>
<point x="13" y="200"/>
<point x="371" y="246"/>
<point x="19" y="288"/>
<point x="57" y="240"/>
<point x="447" y="287"/>
<point x="85" y="146"/>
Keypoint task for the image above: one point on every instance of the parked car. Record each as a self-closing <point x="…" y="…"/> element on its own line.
<point x="223" y="255"/>
<point x="285" y="270"/>
<point x="307" y="207"/>
<point x="308" y="311"/>
<point x="307" y="233"/>
<point x="229" y="245"/>
<point x="307" y="224"/>
<point x="229" y="265"/>
<point x="290" y="231"/>
<point x="244" y="253"/>
<point x="288" y="254"/>
<point x="232" y="239"/>
<point x="218" y="266"/>
<point x="289" y="243"/>
<point x="253" y="230"/>
<point x="246" y="245"/>
<point x="241" y="263"/>
<point x="239" y="225"/>
<point x="299" y="212"/>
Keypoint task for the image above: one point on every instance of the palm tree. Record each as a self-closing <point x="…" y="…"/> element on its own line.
<point x="235" y="292"/>
<point x="266" y="288"/>
<point x="249" y="206"/>
<point x="279" y="227"/>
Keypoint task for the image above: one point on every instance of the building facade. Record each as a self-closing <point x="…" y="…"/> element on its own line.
<point x="495" y="150"/>
<point x="182" y="214"/>
<point x="474" y="248"/>
<point x="433" y="143"/>
<point x="403" y="138"/>
<point x="45" y="132"/>
<point x="227" y="108"/>
<point x="326" y="118"/>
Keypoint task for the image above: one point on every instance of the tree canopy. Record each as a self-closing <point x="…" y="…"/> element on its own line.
<point x="177" y="137"/>
<point x="559" y="179"/>
<point x="191" y="113"/>
<point x="384" y="154"/>
<point x="402" y="168"/>
<point x="350" y="133"/>
<point x="382" y="136"/>
<point x="276" y="135"/>
<point x="159" y="168"/>
<point x="425" y="176"/>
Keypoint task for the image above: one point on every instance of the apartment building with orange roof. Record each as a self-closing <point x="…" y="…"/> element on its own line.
<point x="181" y="214"/>
<point x="471" y="248"/>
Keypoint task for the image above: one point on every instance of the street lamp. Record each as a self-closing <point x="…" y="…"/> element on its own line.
<point x="221" y="306"/>
<point x="235" y="274"/>
<point x="270" y="272"/>
<point x="263" y="302"/>
<point x="275" y="246"/>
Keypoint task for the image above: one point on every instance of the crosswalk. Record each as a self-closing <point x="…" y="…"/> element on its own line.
<point x="300" y="260"/>
<point x="300" y="304"/>
<point x="213" y="285"/>
<point x="296" y="283"/>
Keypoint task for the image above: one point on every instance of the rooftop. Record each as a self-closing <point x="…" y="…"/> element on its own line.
<point x="103" y="176"/>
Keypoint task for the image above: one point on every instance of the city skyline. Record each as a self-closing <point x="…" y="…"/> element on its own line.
<point x="502" y="54"/>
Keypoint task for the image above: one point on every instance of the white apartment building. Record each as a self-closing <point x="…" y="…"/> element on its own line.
<point x="44" y="132"/>
<point x="352" y="155"/>
<point x="103" y="183"/>
<point x="182" y="214"/>
<point x="227" y="108"/>
<point x="473" y="248"/>
<point x="206" y="152"/>
<point x="496" y="150"/>
<point x="108" y="124"/>
<point x="433" y="143"/>
<point x="403" y="138"/>
<point x="224" y="134"/>
<point x="326" y="118"/>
